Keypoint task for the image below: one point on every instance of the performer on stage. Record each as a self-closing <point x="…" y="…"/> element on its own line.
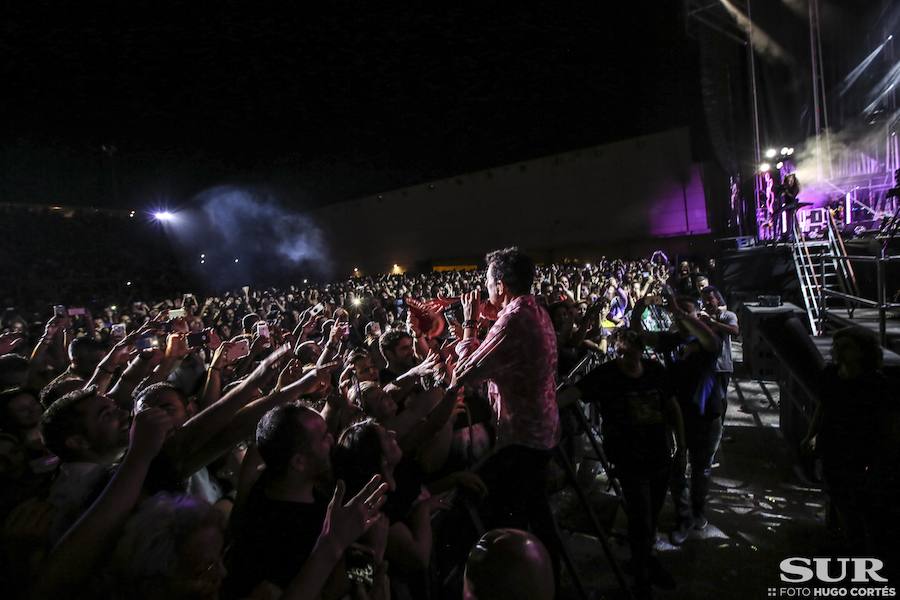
<point x="518" y="360"/>
<point x="787" y="207"/>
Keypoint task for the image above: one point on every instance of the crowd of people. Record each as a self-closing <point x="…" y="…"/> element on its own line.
<point x="354" y="439"/>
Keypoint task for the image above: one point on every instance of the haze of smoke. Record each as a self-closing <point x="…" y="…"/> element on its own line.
<point x="854" y="150"/>
<point x="261" y="232"/>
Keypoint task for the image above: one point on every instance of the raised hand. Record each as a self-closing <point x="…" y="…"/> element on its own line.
<point x="221" y="357"/>
<point x="291" y="373"/>
<point x="10" y="341"/>
<point x="149" y="431"/>
<point x="471" y="305"/>
<point x="176" y="346"/>
<point x="428" y="366"/>
<point x="345" y="523"/>
<point x="54" y="326"/>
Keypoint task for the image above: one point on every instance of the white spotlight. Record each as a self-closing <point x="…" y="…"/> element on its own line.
<point x="790" y="151"/>
<point x="779" y="164"/>
<point x="163" y="215"/>
<point x="764" y="167"/>
<point x="771" y="152"/>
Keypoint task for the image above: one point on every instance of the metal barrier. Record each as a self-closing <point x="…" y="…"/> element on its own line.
<point x="880" y="302"/>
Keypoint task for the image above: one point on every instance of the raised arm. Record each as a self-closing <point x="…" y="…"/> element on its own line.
<point x="476" y="360"/>
<point x="78" y="554"/>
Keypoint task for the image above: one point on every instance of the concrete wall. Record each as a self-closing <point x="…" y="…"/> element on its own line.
<point x="612" y="195"/>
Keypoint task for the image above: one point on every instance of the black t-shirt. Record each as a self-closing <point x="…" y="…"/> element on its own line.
<point x="693" y="373"/>
<point x="635" y="435"/>
<point x="386" y="376"/>
<point x="272" y="540"/>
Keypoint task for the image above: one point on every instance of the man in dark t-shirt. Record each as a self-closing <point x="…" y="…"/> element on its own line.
<point x="277" y="528"/>
<point x="634" y="427"/>
<point x="641" y="426"/>
<point x="856" y="432"/>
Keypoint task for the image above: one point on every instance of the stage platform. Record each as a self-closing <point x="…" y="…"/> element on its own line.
<point x="867" y="318"/>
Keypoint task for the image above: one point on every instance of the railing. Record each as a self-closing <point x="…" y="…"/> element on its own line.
<point x="844" y="269"/>
<point x="880" y="302"/>
<point x="809" y="283"/>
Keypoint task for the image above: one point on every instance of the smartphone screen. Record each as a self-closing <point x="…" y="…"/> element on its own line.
<point x="177" y="313"/>
<point x="117" y="330"/>
<point x="146" y="342"/>
<point x="240" y="349"/>
<point x="197" y="339"/>
<point x="60" y="311"/>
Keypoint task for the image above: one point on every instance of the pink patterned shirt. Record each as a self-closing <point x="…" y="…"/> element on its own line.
<point x="518" y="358"/>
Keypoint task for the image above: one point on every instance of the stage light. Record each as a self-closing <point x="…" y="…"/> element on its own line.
<point x="356" y="302"/>
<point x="779" y="164"/>
<point x="771" y="152"/>
<point x="128" y="283"/>
<point x="890" y="37"/>
<point x="790" y="151"/>
<point x="113" y="307"/>
<point x="784" y="150"/>
<point x="304" y="281"/>
<point x="131" y="215"/>
<point x="163" y="216"/>
<point x="764" y="167"/>
<point x="202" y="256"/>
<point x="202" y="262"/>
<point x="236" y="260"/>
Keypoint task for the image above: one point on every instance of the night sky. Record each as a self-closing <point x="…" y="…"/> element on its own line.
<point x="322" y="107"/>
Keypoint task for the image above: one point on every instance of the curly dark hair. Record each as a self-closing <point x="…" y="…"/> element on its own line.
<point x="62" y="419"/>
<point x="513" y="268"/>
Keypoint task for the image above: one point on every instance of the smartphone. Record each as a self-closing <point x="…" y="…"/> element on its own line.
<point x="262" y="329"/>
<point x="240" y="349"/>
<point x="451" y="317"/>
<point x="198" y="339"/>
<point x="117" y="331"/>
<point x="316" y="310"/>
<point x="77" y="312"/>
<point x="60" y="311"/>
<point x="360" y="566"/>
<point x="177" y="313"/>
<point x="146" y="342"/>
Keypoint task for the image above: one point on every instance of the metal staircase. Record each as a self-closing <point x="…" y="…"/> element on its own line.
<point x="818" y="269"/>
